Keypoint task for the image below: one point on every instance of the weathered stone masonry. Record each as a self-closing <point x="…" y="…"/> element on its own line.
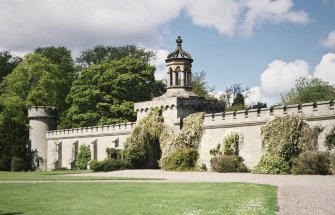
<point x="58" y="148"/>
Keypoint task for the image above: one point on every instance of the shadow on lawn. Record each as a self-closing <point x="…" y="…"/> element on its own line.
<point x="10" y="213"/>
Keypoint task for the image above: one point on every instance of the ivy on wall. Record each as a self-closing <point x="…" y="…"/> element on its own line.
<point x="83" y="157"/>
<point x="226" y="155"/>
<point x="143" y="137"/>
<point x="188" y="138"/>
<point x="151" y="132"/>
<point x="283" y="139"/>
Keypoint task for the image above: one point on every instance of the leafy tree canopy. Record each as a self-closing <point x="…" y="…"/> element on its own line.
<point x="233" y="97"/>
<point x="201" y="87"/>
<point x="7" y="63"/>
<point x="105" y="93"/>
<point x="100" y="53"/>
<point x="61" y="57"/>
<point x="309" y="90"/>
<point x="35" y="81"/>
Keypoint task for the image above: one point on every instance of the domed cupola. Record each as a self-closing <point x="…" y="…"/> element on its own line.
<point x="179" y="75"/>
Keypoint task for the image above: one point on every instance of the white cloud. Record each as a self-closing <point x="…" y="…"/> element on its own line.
<point x="329" y="42"/>
<point x="254" y="96"/>
<point x="80" y="24"/>
<point x="280" y="76"/>
<point x="258" y="95"/>
<point x="222" y="15"/>
<point x="159" y="63"/>
<point x="268" y="11"/>
<point x="326" y="68"/>
<point x="227" y="15"/>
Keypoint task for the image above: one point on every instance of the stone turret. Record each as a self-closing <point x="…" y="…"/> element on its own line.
<point x="179" y="101"/>
<point x="179" y="73"/>
<point x="41" y="120"/>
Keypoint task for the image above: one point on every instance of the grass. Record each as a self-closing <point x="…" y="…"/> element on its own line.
<point x="137" y="198"/>
<point x="55" y="175"/>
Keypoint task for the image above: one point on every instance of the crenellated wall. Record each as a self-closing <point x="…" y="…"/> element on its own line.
<point x="63" y="145"/>
<point x="249" y="122"/>
<point x="103" y="130"/>
<point x="174" y="109"/>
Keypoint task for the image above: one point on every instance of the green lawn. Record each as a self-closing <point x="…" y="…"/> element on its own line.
<point x="137" y="198"/>
<point x="54" y="175"/>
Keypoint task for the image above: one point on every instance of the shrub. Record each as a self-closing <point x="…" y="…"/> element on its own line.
<point x="109" y="164"/>
<point x="330" y="139"/>
<point x="332" y="163"/>
<point x="312" y="163"/>
<point x="188" y="138"/>
<point x="283" y="139"/>
<point x="216" y="151"/>
<point x="17" y="164"/>
<point x="114" y="153"/>
<point x="228" y="163"/>
<point x="83" y="157"/>
<point x="272" y="164"/>
<point x="182" y="160"/>
<point x="136" y="155"/>
<point x="288" y="136"/>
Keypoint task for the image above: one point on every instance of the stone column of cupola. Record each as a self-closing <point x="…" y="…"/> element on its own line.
<point x="182" y="78"/>
<point x="174" y="78"/>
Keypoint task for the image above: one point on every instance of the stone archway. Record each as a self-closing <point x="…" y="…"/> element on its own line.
<point x="154" y="154"/>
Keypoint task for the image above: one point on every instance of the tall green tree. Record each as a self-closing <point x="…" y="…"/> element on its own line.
<point x="105" y="93"/>
<point x="61" y="57"/>
<point x="233" y="97"/>
<point x="238" y="100"/>
<point x="309" y="90"/>
<point x="7" y="63"/>
<point x="201" y="87"/>
<point x="35" y="81"/>
<point x="101" y="53"/>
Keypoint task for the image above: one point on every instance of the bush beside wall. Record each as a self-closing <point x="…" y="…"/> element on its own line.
<point x="283" y="139"/>
<point x="109" y="164"/>
<point x="228" y="163"/>
<point x="312" y="163"/>
<point x="182" y="160"/>
<point x="83" y="157"/>
<point x="272" y="164"/>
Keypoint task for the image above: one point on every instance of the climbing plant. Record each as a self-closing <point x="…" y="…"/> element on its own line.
<point x="232" y="140"/>
<point x="144" y="136"/>
<point x="283" y="139"/>
<point x="330" y="139"/>
<point x="83" y="157"/>
<point x="151" y="132"/>
<point x="188" y="138"/>
<point x="226" y="155"/>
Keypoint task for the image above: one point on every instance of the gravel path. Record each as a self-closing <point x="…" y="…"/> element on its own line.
<point x="296" y="194"/>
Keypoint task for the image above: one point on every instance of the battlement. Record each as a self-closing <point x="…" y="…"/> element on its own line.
<point x="176" y="102"/>
<point x="103" y="130"/>
<point x="308" y="111"/>
<point x="42" y="112"/>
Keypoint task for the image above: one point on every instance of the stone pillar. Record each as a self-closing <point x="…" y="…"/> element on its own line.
<point x="189" y="79"/>
<point x="182" y="78"/>
<point x="174" y="78"/>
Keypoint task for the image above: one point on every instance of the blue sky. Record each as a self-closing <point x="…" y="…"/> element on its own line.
<point x="262" y="44"/>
